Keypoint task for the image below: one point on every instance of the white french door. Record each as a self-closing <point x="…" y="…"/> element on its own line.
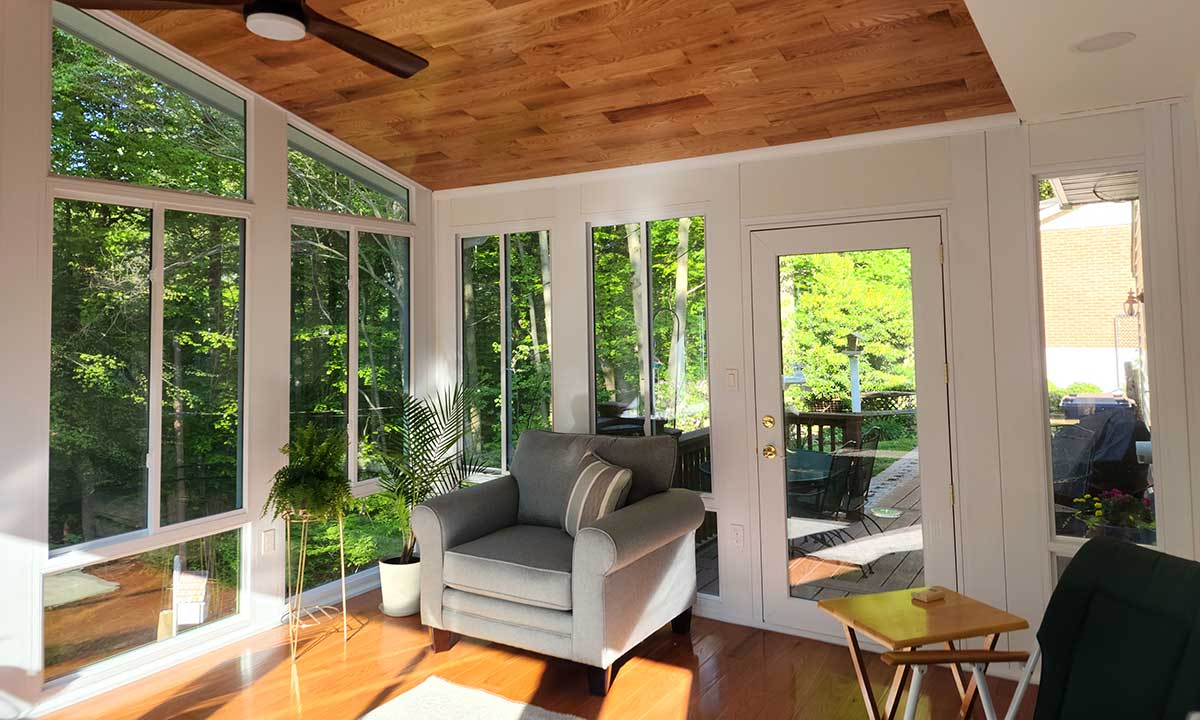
<point x="852" y="420"/>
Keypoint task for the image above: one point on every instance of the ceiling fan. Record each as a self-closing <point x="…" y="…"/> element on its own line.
<point x="286" y="20"/>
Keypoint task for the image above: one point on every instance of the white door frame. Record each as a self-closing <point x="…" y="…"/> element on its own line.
<point x="922" y="235"/>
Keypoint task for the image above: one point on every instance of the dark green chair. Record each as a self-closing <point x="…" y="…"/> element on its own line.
<point x="1120" y="639"/>
<point x="1121" y="636"/>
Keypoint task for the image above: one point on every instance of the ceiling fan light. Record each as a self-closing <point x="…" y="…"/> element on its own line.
<point x="275" y="26"/>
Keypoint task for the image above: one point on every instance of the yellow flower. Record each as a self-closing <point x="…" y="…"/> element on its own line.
<point x="1078" y="500"/>
<point x="1097" y="505"/>
<point x="1099" y="513"/>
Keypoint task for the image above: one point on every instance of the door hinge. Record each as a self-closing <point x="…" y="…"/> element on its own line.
<point x="941" y="254"/>
<point x="951" y="494"/>
<point x="946" y="372"/>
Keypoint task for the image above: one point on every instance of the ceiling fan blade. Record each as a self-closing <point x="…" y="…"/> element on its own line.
<point x="368" y="48"/>
<point x="155" y="4"/>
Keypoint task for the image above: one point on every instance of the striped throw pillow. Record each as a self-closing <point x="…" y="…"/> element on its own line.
<point x="599" y="489"/>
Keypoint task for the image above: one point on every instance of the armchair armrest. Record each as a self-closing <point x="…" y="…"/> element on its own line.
<point x="452" y="519"/>
<point x="940" y="657"/>
<point x="620" y="538"/>
<point x="469" y="513"/>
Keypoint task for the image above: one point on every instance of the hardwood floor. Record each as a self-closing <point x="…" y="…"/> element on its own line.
<point x="721" y="671"/>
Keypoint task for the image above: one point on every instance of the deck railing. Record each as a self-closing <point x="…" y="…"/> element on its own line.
<point x="694" y="471"/>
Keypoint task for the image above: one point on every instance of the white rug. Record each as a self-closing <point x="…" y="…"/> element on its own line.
<point x="438" y="699"/>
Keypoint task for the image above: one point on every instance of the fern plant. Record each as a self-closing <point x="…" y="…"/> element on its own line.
<point x="424" y="456"/>
<point x="314" y="483"/>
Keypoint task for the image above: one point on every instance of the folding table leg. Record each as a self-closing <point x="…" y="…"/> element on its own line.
<point x="914" y="692"/>
<point x="860" y="670"/>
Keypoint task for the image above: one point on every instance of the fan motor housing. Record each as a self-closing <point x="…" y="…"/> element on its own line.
<point x="276" y="19"/>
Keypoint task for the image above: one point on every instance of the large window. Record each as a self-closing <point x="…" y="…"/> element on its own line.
<point x="350" y="360"/>
<point x="321" y="178"/>
<point x="145" y="349"/>
<point x="122" y="112"/>
<point x="649" y="301"/>
<point x="1094" y="300"/>
<point x="116" y="606"/>
<point x="505" y="340"/>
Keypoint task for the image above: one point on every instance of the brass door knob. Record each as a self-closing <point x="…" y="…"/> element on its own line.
<point x="769" y="452"/>
<point x="768" y="421"/>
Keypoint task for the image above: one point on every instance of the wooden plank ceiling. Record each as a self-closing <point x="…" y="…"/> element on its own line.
<point x="530" y="88"/>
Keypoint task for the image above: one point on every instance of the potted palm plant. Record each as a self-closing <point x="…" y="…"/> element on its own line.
<point x="422" y="456"/>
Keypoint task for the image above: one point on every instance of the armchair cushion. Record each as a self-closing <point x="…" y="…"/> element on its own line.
<point x="600" y="487"/>
<point x="546" y="464"/>
<point x="528" y="564"/>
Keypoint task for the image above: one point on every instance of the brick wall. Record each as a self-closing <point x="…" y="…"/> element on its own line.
<point x="1086" y="277"/>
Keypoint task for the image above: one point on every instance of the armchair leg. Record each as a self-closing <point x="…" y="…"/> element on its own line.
<point x="441" y="640"/>
<point x="599" y="680"/>
<point x="681" y="624"/>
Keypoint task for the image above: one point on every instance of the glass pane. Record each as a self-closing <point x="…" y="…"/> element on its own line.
<point x="108" y="609"/>
<point x="201" y="415"/>
<point x="708" y="569"/>
<point x="383" y="334"/>
<point x="668" y="281"/>
<point x="321" y="178"/>
<point x="320" y="316"/>
<point x="619" y="328"/>
<point x="372" y="531"/>
<point x="100" y="371"/>
<point x="481" y="362"/>
<point x="849" y="397"/>
<point x="115" y="118"/>
<point x="528" y="274"/>
<point x="1094" y="302"/>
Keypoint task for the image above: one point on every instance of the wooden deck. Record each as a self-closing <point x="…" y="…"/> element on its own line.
<point x="812" y="578"/>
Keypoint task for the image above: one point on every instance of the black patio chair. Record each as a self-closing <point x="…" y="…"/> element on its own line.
<point x="1120" y="638"/>
<point x="860" y="476"/>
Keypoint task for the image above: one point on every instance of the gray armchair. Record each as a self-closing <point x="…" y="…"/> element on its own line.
<point x="496" y="563"/>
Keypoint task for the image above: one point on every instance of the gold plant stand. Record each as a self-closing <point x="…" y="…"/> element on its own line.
<point x="300" y="616"/>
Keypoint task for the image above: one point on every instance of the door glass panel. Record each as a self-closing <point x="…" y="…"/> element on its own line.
<point x="619" y="313"/>
<point x="528" y="334"/>
<point x="1098" y="391"/>
<point x="853" y="510"/>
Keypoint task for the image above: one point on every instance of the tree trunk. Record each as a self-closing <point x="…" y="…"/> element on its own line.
<point x="637" y="289"/>
<point x="678" y="354"/>
<point x="470" y="361"/>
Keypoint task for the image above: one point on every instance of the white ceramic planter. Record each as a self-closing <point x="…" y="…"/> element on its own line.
<point x="400" y="586"/>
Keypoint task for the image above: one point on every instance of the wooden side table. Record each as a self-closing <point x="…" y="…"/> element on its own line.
<point x="894" y="621"/>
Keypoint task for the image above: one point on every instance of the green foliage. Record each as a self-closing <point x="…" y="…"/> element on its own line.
<point x="372" y="530"/>
<point x="677" y="322"/>
<point x="528" y="362"/>
<point x="115" y="122"/>
<point x="314" y="483"/>
<point x="313" y="184"/>
<point x="425" y="455"/>
<point x="826" y="296"/>
<point x="1045" y="190"/>
<point x="1056" y="394"/>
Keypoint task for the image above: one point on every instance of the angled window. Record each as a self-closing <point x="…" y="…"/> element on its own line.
<point x="321" y="178"/>
<point x="122" y="112"/>
<point x="506" y="323"/>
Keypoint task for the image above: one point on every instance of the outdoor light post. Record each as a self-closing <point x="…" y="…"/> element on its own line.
<point x="852" y="350"/>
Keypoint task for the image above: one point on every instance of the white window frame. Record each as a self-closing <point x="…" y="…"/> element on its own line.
<point x="502" y="231"/>
<point x="257" y="571"/>
<point x="353" y="225"/>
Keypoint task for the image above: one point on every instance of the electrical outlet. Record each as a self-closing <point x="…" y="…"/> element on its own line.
<point x="737" y="533"/>
<point x="268" y="541"/>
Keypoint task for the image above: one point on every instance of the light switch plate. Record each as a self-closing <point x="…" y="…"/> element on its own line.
<point x="738" y="535"/>
<point x="268" y="541"/>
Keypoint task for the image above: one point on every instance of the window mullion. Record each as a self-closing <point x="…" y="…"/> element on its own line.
<point x="505" y="355"/>
<point x="155" y="398"/>
<point x="352" y="358"/>
<point x="647" y="333"/>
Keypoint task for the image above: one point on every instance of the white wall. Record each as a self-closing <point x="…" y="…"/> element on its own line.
<point x="983" y="178"/>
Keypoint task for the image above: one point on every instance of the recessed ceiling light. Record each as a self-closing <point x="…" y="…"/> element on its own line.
<point x="1107" y="41"/>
